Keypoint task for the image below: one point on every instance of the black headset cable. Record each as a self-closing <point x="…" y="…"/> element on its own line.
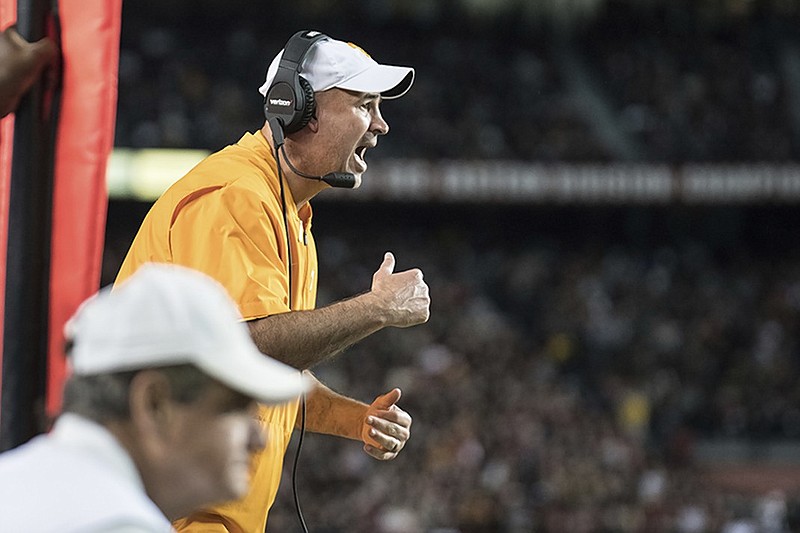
<point x="277" y="141"/>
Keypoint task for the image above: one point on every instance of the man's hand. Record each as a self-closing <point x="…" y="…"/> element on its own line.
<point x="402" y="295"/>
<point x="386" y="427"/>
<point x="21" y="64"/>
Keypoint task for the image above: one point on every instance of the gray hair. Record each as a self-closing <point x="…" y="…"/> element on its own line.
<point x="105" y="397"/>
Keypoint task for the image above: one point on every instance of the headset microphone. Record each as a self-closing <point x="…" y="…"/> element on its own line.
<point x="341" y="180"/>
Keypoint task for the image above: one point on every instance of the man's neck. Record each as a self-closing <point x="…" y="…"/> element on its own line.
<point x="302" y="189"/>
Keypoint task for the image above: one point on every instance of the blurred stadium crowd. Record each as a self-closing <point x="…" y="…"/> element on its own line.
<point x="573" y="358"/>
<point x="565" y="373"/>
<point x="637" y="81"/>
<point x="574" y="355"/>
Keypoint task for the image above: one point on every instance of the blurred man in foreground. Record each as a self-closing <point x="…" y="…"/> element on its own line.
<point x="157" y="416"/>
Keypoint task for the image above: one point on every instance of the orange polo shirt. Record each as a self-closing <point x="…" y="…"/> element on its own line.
<point x="225" y="218"/>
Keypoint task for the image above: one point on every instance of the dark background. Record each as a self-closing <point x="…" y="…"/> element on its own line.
<point x="579" y="358"/>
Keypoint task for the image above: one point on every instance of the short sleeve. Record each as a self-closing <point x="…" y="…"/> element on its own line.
<point x="232" y="234"/>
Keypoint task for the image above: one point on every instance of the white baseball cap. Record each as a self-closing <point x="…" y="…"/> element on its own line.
<point x="331" y="63"/>
<point x="169" y="315"/>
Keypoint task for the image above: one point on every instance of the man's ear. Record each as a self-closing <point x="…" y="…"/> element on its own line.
<point x="151" y="406"/>
<point x="313" y="123"/>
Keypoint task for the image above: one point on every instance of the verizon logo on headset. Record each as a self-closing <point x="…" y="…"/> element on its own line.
<point x="280" y="102"/>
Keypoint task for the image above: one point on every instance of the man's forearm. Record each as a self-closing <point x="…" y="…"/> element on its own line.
<point x="333" y="414"/>
<point x="303" y="339"/>
<point x="382" y="426"/>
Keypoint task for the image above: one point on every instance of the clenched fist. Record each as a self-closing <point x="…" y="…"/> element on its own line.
<point x="402" y="297"/>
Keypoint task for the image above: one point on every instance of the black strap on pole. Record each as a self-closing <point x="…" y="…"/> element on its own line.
<point x="28" y="255"/>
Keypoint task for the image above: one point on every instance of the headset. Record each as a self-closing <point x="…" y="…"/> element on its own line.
<point x="289" y="105"/>
<point x="289" y="101"/>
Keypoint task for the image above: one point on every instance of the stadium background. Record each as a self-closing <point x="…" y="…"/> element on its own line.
<point x="603" y="197"/>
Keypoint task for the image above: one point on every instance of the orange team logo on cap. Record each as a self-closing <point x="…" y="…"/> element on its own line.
<point x="353" y="45"/>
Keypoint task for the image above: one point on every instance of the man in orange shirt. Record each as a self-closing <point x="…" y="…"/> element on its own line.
<point x="243" y="217"/>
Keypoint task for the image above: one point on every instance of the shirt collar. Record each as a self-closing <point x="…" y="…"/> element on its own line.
<point x="259" y="144"/>
<point x="71" y="430"/>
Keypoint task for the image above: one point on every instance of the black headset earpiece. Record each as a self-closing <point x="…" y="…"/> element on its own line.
<point x="290" y="98"/>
